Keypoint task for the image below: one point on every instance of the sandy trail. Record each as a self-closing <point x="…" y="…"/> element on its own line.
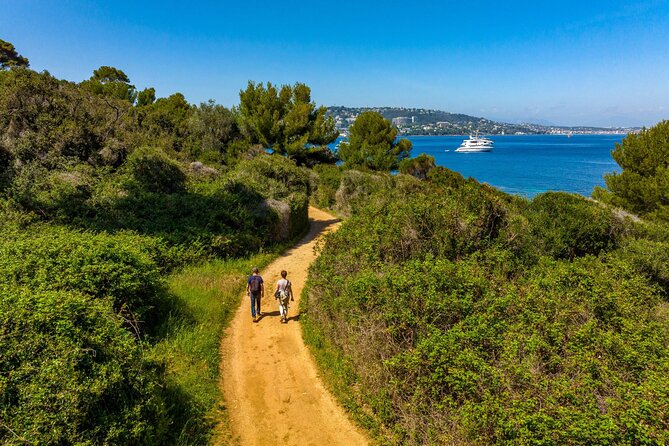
<point x="272" y="390"/>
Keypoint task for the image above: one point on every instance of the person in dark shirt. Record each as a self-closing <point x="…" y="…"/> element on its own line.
<point x="255" y="289"/>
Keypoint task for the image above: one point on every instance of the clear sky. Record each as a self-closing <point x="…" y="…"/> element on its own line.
<point x="586" y="62"/>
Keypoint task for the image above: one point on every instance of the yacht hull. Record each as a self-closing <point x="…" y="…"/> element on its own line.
<point x="472" y="150"/>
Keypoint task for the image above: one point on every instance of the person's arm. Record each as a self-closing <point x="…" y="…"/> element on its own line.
<point x="248" y="287"/>
<point x="262" y="288"/>
<point x="290" y="287"/>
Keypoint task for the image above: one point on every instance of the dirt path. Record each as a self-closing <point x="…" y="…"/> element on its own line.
<point x="272" y="390"/>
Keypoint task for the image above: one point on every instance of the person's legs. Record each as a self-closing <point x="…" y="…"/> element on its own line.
<point x="284" y="304"/>
<point x="253" y="305"/>
<point x="258" y="305"/>
<point x="280" y="306"/>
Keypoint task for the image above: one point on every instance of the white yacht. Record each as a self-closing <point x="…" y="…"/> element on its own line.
<point x="475" y="144"/>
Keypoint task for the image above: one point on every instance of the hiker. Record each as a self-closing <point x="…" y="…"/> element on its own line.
<point x="255" y="289"/>
<point x="284" y="291"/>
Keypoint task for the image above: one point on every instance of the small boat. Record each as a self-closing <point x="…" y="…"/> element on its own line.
<point x="475" y="144"/>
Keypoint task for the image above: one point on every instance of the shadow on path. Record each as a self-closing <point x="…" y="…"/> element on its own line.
<point x="316" y="227"/>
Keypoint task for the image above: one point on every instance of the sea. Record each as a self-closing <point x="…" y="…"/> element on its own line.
<point x="528" y="165"/>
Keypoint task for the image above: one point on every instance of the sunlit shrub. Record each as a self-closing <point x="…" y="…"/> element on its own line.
<point x="458" y="315"/>
<point x="356" y="188"/>
<point x="118" y="267"/>
<point x="329" y="178"/>
<point x="152" y="170"/>
<point x="71" y="374"/>
<point x="569" y="225"/>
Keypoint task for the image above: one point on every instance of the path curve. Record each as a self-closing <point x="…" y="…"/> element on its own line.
<point x="272" y="390"/>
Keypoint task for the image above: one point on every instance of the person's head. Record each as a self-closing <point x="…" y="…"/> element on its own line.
<point x="255" y="270"/>
<point x="284" y="274"/>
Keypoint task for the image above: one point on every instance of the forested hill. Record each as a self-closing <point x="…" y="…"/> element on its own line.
<point x="420" y="121"/>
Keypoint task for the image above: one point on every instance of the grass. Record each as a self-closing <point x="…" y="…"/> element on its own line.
<point x="206" y="298"/>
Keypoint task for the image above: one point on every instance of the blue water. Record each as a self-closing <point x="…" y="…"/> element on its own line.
<point x="529" y="164"/>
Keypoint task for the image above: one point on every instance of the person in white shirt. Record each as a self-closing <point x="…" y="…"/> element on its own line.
<point x="283" y="293"/>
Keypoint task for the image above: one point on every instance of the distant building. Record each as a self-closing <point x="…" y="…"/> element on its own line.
<point x="402" y="120"/>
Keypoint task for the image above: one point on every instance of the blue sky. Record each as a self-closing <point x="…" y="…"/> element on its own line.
<point x="573" y="63"/>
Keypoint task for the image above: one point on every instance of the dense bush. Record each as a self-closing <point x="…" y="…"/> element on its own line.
<point x="455" y="314"/>
<point x="223" y="216"/>
<point x="214" y="133"/>
<point x="165" y="123"/>
<point x="118" y="267"/>
<point x="418" y="167"/>
<point x="214" y="217"/>
<point x="650" y="258"/>
<point x="154" y="171"/>
<point x="356" y="188"/>
<point x="53" y="194"/>
<point x="275" y="175"/>
<point x="569" y="225"/>
<point x="42" y="118"/>
<point x="419" y="225"/>
<point x="444" y="177"/>
<point x="278" y="178"/>
<point x="95" y="272"/>
<point x="327" y="183"/>
<point x="71" y="374"/>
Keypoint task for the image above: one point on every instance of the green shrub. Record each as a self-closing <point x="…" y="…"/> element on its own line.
<point x="444" y="177"/>
<point x="214" y="217"/>
<point x="119" y="267"/>
<point x="299" y="214"/>
<point x="569" y="225"/>
<point x="329" y="178"/>
<point x="42" y="118"/>
<point x="273" y="175"/>
<point x="418" y="167"/>
<point x="649" y="230"/>
<point x="650" y="258"/>
<point x="443" y="317"/>
<point x="406" y="225"/>
<point x="152" y="170"/>
<point x="278" y="178"/>
<point x="72" y="375"/>
<point x="447" y="352"/>
<point x="56" y="194"/>
<point x="356" y="188"/>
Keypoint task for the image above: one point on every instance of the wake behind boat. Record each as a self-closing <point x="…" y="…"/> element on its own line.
<point x="475" y="144"/>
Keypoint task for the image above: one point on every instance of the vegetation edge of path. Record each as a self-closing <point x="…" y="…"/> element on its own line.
<point x="208" y="295"/>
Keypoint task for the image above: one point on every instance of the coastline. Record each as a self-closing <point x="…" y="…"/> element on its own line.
<point x="527" y="165"/>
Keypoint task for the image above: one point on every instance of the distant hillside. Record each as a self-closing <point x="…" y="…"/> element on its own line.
<point x="420" y="121"/>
